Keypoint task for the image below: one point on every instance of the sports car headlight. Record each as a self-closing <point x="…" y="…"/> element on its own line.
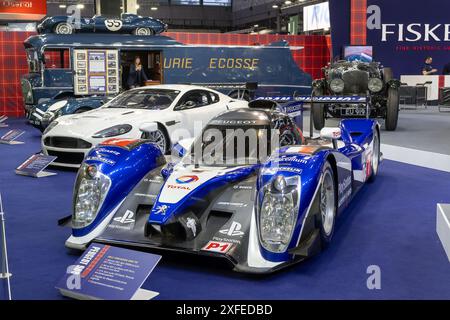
<point x="337" y="85"/>
<point x="50" y="127"/>
<point x="278" y="214"/>
<point x="113" y="131"/>
<point x="375" y="84"/>
<point x="91" y="189"/>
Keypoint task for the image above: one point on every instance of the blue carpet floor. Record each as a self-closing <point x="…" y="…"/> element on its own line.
<point x="391" y="223"/>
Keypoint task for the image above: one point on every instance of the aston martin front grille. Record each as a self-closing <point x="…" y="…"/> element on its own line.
<point x="66" y="142"/>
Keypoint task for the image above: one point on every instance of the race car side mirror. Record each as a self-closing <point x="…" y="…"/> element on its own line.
<point x="332" y="134"/>
<point x="148" y="127"/>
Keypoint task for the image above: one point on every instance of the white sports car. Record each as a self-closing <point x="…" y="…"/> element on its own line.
<point x="178" y="111"/>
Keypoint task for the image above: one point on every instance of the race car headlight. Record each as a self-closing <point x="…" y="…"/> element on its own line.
<point x="50" y="127"/>
<point x="91" y="189"/>
<point x="278" y="215"/>
<point x="375" y="85"/>
<point x="337" y="85"/>
<point x="113" y="131"/>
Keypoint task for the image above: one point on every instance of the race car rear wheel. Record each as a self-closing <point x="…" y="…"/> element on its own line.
<point x="318" y="110"/>
<point x="376" y="156"/>
<point x="63" y="28"/>
<point x="392" y="109"/>
<point x="141" y="31"/>
<point x="327" y="205"/>
<point x="159" y="138"/>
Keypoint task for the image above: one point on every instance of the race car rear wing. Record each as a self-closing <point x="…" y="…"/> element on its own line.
<point x="276" y="101"/>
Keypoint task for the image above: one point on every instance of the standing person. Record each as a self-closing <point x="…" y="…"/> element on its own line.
<point x="136" y="76"/>
<point x="428" y="69"/>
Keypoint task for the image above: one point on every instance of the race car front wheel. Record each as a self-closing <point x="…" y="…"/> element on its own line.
<point x="392" y="109"/>
<point x="63" y="28"/>
<point x="327" y="205"/>
<point x="318" y="110"/>
<point x="376" y="156"/>
<point x="143" y="31"/>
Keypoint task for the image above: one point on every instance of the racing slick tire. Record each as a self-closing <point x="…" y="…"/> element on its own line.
<point x="376" y="157"/>
<point x="318" y="110"/>
<point x="327" y="205"/>
<point x="142" y="31"/>
<point x="64" y="28"/>
<point x="392" y="108"/>
<point x="159" y="138"/>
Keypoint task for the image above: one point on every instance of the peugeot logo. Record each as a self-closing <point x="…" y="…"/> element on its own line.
<point x="161" y="209"/>
<point x="234" y="230"/>
<point x="128" y="217"/>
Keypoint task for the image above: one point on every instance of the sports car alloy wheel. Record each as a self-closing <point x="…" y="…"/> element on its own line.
<point x="63" y="28"/>
<point x="327" y="203"/>
<point x="158" y="138"/>
<point x="143" y="32"/>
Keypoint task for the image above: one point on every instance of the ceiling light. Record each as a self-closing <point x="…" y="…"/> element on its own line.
<point x="62" y="6"/>
<point x="288" y="2"/>
<point x="154" y="8"/>
<point x="138" y="6"/>
<point x="256" y="26"/>
<point x="275" y="6"/>
<point x="80" y="6"/>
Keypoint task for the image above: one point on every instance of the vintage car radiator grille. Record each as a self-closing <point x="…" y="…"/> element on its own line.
<point x="355" y="82"/>
<point x="66" y="142"/>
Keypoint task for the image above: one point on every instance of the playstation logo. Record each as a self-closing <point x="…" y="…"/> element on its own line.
<point x="128" y="217"/>
<point x="234" y="230"/>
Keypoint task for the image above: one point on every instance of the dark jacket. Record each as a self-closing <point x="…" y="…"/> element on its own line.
<point x="136" y="78"/>
<point x="446" y="70"/>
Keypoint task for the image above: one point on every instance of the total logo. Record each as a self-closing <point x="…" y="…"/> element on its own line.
<point x="234" y="230"/>
<point x="186" y="179"/>
<point x="128" y="217"/>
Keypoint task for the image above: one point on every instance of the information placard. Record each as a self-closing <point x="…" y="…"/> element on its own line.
<point x="35" y="165"/>
<point x="96" y="71"/>
<point x="105" y="272"/>
<point x="11" y="136"/>
<point x="2" y="121"/>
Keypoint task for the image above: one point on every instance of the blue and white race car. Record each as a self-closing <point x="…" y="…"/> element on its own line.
<point x="250" y="189"/>
<point x="128" y="23"/>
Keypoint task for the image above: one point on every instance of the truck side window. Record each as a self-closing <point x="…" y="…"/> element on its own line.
<point x="57" y="58"/>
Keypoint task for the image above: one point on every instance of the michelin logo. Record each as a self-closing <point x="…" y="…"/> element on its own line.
<point x="344" y="190"/>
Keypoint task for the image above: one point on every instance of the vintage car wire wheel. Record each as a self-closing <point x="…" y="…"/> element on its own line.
<point x="375" y="157"/>
<point x="63" y="28"/>
<point x="141" y="31"/>
<point x="318" y="110"/>
<point x="159" y="138"/>
<point x="392" y="109"/>
<point x="327" y="205"/>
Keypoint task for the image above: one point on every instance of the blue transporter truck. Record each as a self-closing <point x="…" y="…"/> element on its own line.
<point x="78" y="72"/>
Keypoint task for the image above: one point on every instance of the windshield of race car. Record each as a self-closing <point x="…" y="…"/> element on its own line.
<point x="231" y="146"/>
<point x="149" y="99"/>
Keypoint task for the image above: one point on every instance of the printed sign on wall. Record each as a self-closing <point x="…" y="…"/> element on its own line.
<point x="96" y="71"/>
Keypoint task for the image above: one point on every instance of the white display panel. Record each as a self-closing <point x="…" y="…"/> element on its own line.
<point x="316" y="17"/>
<point x="96" y="71"/>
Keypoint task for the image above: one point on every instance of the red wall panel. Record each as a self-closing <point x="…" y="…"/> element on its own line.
<point x="13" y="65"/>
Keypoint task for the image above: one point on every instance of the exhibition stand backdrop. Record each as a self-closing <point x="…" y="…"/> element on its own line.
<point x="314" y="55"/>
